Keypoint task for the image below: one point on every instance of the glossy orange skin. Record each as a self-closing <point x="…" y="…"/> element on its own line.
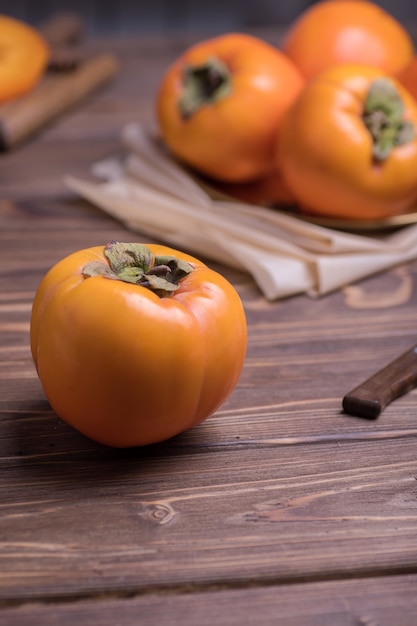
<point x="408" y="77"/>
<point x="267" y="191"/>
<point x="325" y="150"/>
<point x="126" y="367"/>
<point x="232" y="139"/>
<point x="24" y="55"/>
<point x="332" y="32"/>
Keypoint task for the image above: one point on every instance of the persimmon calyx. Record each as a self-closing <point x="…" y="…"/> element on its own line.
<point x="383" y="116"/>
<point x="135" y="263"/>
<point x="202" y="85"/>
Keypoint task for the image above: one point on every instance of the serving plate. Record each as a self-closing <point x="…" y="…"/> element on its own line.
<point x="388" y="223"/>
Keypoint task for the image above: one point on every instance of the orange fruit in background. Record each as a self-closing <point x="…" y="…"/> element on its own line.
<point x="408" y="78"/>
<point x="347" y="31"/>
<point x="348" y="147"/>
<point x="270" y="190"/>
<point x="24" y="55"/>
<point x="221" y="102"/>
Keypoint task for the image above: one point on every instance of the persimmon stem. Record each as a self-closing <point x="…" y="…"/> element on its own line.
<point x="383" y="116"/>
<point x="202" y="85"/>
<point x="135" y="263"/>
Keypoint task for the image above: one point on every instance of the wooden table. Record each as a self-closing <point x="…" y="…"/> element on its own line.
<point x="279" y="509"/>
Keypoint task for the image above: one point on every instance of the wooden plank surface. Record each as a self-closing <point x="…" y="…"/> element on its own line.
<point x="277" y="496"/>
<point x="364" y="602"/>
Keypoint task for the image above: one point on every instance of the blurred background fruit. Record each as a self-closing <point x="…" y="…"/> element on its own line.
<point x="347" y="31"/>
<point x="348" y="147"/>
<point x="220" y="105"/>
<point x="23" y="59"/>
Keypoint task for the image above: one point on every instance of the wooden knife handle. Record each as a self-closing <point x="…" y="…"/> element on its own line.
<point x="371" y="397"/>
<point x="56" y="93"/>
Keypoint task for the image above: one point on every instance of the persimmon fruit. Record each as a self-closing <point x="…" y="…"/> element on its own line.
<point x="24" y="55"/>
<point x="332" y="32"/>
<point x="270" y="190"/>
<point x="408" y="78"/>
<point x="348" y="146"/>
<point x="220" y="104"/>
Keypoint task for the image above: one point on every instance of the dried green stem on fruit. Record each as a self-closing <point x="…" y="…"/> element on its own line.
<point x="203" y="84"/>
<point x="383" y="116"/>
<point x="135" y="263"/>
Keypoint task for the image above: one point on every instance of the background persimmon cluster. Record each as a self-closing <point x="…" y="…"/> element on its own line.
<point x="327" y="121"/>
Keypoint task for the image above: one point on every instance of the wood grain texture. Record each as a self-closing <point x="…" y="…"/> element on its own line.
<point x="279" y="502"/>
<point x="364" y="602"/>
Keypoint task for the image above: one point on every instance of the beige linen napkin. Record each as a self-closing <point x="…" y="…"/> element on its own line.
<point x="150" y="193"/>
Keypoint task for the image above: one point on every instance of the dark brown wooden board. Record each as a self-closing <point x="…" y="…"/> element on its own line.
<point x="364" y="602"/>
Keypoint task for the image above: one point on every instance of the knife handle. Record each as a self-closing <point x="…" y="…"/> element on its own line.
<point x="370" y="398"/>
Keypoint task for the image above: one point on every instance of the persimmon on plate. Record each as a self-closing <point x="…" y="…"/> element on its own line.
<point x="273" y="193"/>
<point x="220" y="104"/>
<point x="408" y="77"/>
<point x="348" y="147"/>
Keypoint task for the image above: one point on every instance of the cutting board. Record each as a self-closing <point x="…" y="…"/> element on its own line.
<point x="60" y="87"/>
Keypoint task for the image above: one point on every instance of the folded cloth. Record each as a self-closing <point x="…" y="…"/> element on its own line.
<point x="150" y="193"/>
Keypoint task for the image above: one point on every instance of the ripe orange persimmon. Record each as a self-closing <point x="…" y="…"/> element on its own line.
<point x="332" y="32"/>
<point x="269" y="190"/>
<point x="23" y="59"/>
<point x="408" y="77"/>
<point x="136" y="343"/>
<point x="348" y="146"/>
<point x="220" y="104"/>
